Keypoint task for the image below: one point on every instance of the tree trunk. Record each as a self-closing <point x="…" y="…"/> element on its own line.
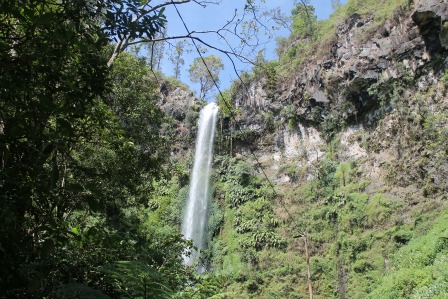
<point x="310" y="285"/>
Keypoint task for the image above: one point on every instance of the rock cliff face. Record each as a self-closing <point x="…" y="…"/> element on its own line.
<point x="374" y="94"/>
<point x="180" y="104"/>
<point x="355" y="143"/>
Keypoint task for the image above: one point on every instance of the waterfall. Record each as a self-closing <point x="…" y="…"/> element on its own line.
<point x="196" y="213"/>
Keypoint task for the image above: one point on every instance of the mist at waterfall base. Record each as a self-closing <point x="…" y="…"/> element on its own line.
<point x="194" y="224"/>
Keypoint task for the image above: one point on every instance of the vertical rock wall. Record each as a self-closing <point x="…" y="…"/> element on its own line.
<point x="350" y="84"/>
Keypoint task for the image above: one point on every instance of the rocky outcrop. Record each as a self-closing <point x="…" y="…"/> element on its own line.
<point x="175" y="100"/>
<point x="348" y="90"/>
<point x="362" y="54"/>
<point x="179" y="103"/>
<point x="431" y="17"/>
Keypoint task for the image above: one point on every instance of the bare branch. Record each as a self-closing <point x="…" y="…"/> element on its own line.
<point x="247" y="46"/>
<point x="244" y="27"/>
<point x="157" y="7"/>
<point x="191" y="37"/>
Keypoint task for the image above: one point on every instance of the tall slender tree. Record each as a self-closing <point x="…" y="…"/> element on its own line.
<point x="176" y="57"/>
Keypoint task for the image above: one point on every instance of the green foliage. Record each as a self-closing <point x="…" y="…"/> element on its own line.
<point x="135" y="279"/>
<point x="292" y="171"/>
<point x="249" y="222"/>
<point x="268" y="70"/>
<point x="262" y="239"/>
<point x="165" y="203"/>
<point x="445" y="77"/>
<point x="288" y="111"/>
<point x="206" y="74"/>
<point x="310" y="37"/>
<point x="120" y="20"/>
<point x="48" y="107"/>
<point x="204" y="287"/>
<point x="75" y="290"/>
<point x="326" y="173"/>
<point x="173" y="83"/>
<point x="303" y="20"/>
<point x="89" y="211"/>
<point x="366" y="242"/>
<point x="419" y="267"/>
<point x="191" y="118"/>
<point x="215" y="220"/>
<point x="243" y="136"/>
<point x="363" y="245"/>
<point x="380" y="208"/>
<point x="379" y="11"/>
<point x="268" y="120"/>
<point x="225" y="103"/>
<point x="80" y="147"/>
<point x="238" y="195"/>
<point x="344" y="173"/>
<point x="240" y="172"/>
<point x="436" y="131"/>
<point x="292" y="124"/>
<point x="176" y="57"/>
<point x="134" y="103"/>
<point x="331" y="125"/>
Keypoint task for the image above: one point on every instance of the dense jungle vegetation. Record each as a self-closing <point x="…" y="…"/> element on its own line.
<point x="81" y="151"/>
<point x="366" y="240"/>
<point x="91" y="199"/>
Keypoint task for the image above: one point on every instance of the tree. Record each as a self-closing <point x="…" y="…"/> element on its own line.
<point x="140" y="22"/>
<point x="128" y="20"/>
<point x="303" y="21"/>
<point x="176" y="57"/>
<point x="280" y="19"/>
<point x="260" y="63"/>
<point x="47" y="100"/>
<point x="78" y="144"/>
<point x="206" y="74"/>
<point x="283" y="44"/>
<point x="156" y="52"/>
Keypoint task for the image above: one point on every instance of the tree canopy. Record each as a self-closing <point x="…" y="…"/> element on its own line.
<point x="303" y="20"/>
<point x="80" y="146"/>
<point x="206" y="73"/>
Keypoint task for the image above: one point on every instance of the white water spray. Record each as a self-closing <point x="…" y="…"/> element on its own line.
<point x="196" y="214"/>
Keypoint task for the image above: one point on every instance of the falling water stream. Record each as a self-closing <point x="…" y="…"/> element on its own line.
<point x="194" y="224"/>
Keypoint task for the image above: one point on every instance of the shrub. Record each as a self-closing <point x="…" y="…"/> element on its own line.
<point x="380" y="208"/>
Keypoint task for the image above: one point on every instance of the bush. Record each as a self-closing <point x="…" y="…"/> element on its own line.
<point x="380" y="208"/>
<point x="420" y="267"/>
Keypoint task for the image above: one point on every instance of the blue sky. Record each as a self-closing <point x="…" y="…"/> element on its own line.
<point x="214" y="17"/>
